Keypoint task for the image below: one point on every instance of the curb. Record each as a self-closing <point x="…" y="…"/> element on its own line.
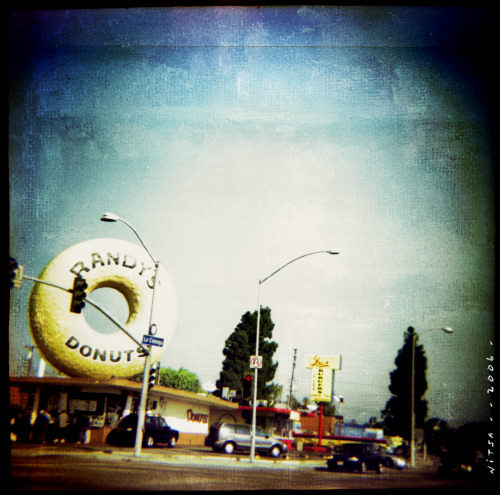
<point x="170" y="457"/>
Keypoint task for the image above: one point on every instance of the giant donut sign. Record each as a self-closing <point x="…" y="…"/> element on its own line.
<point x="68" y="342"/>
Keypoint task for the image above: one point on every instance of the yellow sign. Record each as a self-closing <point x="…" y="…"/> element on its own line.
<point x="325" y="361"/>
<point x="321" y="388"/>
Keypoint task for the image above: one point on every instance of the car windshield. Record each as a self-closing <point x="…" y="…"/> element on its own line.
<point x="243" y="429"/>
<point x="128" y="422"/>
<point x="354" y="448"/>
<point x="260" y="432"/>
<point x="131" y="421"/>
<point x="156" y="421"/>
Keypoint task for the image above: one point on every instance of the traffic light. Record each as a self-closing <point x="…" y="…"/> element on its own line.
<point x="13" y="270"/>
<point x="247" y="386"/>
<point x="15" y="273"/>
<point x="153" y="375"/>
<point x="78" y="295"/>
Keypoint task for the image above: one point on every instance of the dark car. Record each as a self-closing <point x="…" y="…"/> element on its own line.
<point x="359" y="457"/>
<point x="463" y="465"/>
<point x="393" y="459"/>
<point x="232" y="437"/>
<point x="156" y="431"/>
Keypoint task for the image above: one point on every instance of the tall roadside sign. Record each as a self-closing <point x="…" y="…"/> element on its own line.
<point x="322" y="367"/>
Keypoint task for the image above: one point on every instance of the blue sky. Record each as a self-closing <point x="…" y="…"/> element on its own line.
<point x="235" y="139"/>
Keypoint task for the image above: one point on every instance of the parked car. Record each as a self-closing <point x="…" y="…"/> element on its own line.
<point x="156" y="431"/>
<point x="392" y="459"/>
<point x="359" y="457"/>
<point x="232" y="437"/>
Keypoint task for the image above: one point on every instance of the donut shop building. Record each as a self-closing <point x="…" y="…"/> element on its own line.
<point x="106" y="401"/>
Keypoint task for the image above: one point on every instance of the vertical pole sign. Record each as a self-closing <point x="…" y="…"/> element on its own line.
<point x="323" y="367"/>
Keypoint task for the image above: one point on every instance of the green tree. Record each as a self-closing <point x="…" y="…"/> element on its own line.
<point x="275" y="392"/>
<point x="236" y="373"/>
<point x="397" y="412"/>
<point x="328" y="408"/>
<point x="181" y="379"/>
<point x="437" y="435"/>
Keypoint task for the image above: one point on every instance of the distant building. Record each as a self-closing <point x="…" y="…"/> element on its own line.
<point x="362" y="431"/>
<point x="333" y="431"/>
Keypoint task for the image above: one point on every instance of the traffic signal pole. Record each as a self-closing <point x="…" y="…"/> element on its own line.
<point x="96" y="306"/>
<point x="145" y="377"/>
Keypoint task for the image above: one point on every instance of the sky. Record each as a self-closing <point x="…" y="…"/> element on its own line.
<point x="235" y="139"/>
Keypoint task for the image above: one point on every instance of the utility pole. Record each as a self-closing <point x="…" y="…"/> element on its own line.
<point x="291" y="380"/>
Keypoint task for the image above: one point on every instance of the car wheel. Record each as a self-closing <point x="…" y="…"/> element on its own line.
<point x="275" y="451"/>
<point x="172" y="442"/>
<point x="362" y="467"/>
<point x="229" y="448"/>
<point x="149" y="442"/>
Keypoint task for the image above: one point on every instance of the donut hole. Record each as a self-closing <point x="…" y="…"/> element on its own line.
<point x="113" y="302"/>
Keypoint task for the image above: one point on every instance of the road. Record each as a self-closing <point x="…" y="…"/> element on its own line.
<point x="121" y="471"/>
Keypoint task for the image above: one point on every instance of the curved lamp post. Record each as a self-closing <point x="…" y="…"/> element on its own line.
<point x="254" y="401"/>
<point x="111" y="217"/>
<point x="412" y="387"/>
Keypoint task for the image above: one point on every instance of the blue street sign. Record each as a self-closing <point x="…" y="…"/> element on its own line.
<point x="150" y="340"/>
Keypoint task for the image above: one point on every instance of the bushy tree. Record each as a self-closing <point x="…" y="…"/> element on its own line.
<point x="437" y="435"/>
<point x="236" y="373"/>
<point x="181" y="379"/>
<point x="397" y="412"/>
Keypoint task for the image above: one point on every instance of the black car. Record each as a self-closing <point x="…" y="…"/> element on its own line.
<point x="462" y="466"/>
<point x="359" y="457"/>
<point x="156" y="431"/>
<point x="392" y="459"/>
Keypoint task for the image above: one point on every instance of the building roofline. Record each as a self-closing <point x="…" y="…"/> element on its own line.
<point x="123" y="383"/>
<point x="268" y="409"/>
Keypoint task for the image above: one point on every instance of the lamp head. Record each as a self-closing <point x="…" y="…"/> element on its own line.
<point x="109" y="217"/>
<point x="332" y="252"/>
<point x="447" y="329"/>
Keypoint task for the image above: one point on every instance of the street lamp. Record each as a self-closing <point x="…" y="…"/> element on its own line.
<point x="254" y="401"/>
<point x="412" y="389"/>
<point x="111" y="217"/>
